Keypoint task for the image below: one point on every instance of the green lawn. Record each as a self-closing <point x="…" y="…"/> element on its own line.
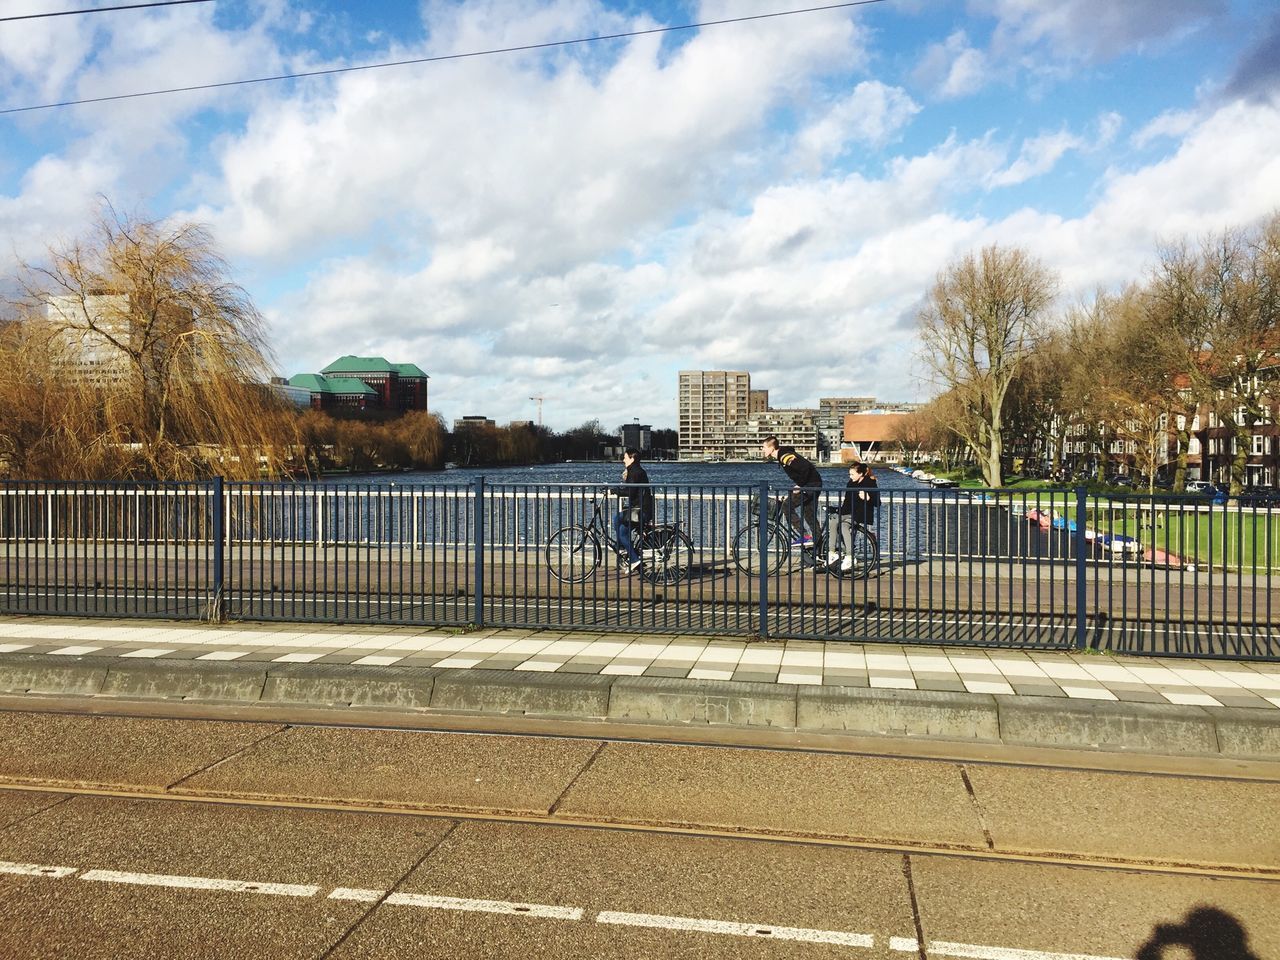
<point x="1237" y="540"/>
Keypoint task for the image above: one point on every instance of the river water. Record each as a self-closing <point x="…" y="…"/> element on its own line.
<point x="660" y="472"/>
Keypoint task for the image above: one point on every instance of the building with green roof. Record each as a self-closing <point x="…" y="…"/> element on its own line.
<point x="366" y="383"/>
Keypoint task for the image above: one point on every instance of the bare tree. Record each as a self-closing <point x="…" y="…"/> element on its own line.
<point x="983" y="318"/>
<point x="147" y="360"/>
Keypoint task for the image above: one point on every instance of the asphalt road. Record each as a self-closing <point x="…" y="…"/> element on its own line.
<point x="132" y="837"/>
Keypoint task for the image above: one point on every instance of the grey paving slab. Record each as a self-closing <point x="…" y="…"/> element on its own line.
<point x="596" y="870"/>
<point x="829" y="795"/>
<point x="76" y="918"/>
<point x="116" y="751"/>
<point x="1044" y="911"/>
<point x="437" y="771"/>
<point x="1182" y="820"/>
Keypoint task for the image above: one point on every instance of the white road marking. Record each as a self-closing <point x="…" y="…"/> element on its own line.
<point x="357" y="894"/>
<point x="540" y="910"/>
<point x="201" y="883"/>
<point x="36" y="870"/>
<point x="974" y="952"/>
<point x="736" y="929"/>
<point x="904" y="944"/>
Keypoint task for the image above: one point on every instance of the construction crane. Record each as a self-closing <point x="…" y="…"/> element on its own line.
<point x="539" y="400"/>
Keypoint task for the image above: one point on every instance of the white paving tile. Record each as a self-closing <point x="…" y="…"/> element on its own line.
<point x="459" y="662"/>
<point x="1087" y="693"/>
<point x="1158" y="675"/>
<point x="837" y="659"/>
<point x="13" y="647"/>
<point x="1274" y="701"/>
<point x="929" y="663"/>
<point x="1019" y="668"/>
<point x="762" y="656"/>
<point x="626" y="669"/>
<point x="1190" y="699"/>
<point x="710" y="673"/>
<point x="894" y="683"/>
<point x="149" y="653"/>
<point x="812" y="677"/>
<point x="298" y="658"/>
<point x="373" y="660"/>
<point x="888" y="661"/>
<point x="802" y="658"/>
<point x="1250" y="680"/>
<point x="1106" y="671"/>
<point x="986" y="686"/>
<point x="223" y="655"/>
<point x="549" y="665"/>
<point x="974" y="666"/>
<point x="1065" y="671"/>
<point x="73" y="651"/>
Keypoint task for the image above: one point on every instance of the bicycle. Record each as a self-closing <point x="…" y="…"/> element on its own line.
<point x="574" y="552"/>
<point x="780" y="536"/>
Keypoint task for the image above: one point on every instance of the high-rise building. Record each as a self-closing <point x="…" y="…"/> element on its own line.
<point x="636" y="435"/>
<point x="839" y="406"/>
<point x="711" y="401"/>
<point x="758" y="402"/>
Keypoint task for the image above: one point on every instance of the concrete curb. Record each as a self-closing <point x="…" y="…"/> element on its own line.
<point x="1237" y="732"/>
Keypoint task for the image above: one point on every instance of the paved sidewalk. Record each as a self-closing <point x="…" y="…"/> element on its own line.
<point x="975" y="670"/>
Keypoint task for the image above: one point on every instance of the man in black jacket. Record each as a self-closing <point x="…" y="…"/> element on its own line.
<point x="639" y="511"/>
<point x="803" y="498"/>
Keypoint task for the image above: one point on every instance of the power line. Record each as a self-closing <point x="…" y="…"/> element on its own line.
<point x="444" y="57"/>
<point x="126" y="6"/>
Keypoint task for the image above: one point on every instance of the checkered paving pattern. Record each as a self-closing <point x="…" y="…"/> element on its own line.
<point x="1006" y="672"/>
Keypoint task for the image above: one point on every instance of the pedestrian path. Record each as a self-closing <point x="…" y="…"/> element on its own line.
<point x="972" y="670"/>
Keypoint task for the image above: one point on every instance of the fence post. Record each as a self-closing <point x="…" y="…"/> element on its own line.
<point x="478" y="538"/>
<point x="764" y="559"/>
<point x="1082" y="500"/>
<point x="219" y="533"/>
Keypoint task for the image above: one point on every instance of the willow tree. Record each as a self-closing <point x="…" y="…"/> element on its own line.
<point x="141" y="359"/>
<point x="979" y="326"/>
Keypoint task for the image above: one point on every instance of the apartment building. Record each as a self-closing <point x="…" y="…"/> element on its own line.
<point x="710" y="403"/>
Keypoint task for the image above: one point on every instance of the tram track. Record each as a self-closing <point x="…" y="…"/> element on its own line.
<point x="961" y="851"/>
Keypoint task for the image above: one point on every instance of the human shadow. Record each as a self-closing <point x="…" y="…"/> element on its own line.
<point x="1209" y="933"/>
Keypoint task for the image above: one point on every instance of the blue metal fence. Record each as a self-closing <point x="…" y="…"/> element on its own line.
<point x="1164" y="575"/>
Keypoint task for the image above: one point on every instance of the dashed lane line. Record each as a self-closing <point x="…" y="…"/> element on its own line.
<point x="939" y="948"/>
<point x="201" y="883"/>
<point x="973" y="951"/>
<point x="540" y="910"/>
<point x="736" y="929"/>
<point x="36" y="870"/>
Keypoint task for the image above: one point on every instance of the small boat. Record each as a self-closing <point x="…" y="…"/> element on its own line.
<point x="1162" y="558"/>
<point x="942" y="483"/>
<point x="1117" y="543"/>
<point x="451" y="465"/>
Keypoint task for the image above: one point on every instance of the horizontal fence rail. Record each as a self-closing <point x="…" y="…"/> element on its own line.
<point x="1049" y="568"/>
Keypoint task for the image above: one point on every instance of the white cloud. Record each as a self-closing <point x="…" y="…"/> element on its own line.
<point x="1092" y="30"/>
<point x="872" y="114"/>
<point x="1172" y="124"/>
<point x="953" y="68"/>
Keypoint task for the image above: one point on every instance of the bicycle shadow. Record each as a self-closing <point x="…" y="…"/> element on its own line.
<point x="1208" y="933"/>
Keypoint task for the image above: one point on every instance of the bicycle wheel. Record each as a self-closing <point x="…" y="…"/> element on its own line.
<point x="746" y="550"/>
<point x="866" y="555"/>
<point x="667" y="555"/>
<point x="573" y="554"/>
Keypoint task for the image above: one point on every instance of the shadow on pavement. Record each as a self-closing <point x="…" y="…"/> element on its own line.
<point x="1209" y="933"/>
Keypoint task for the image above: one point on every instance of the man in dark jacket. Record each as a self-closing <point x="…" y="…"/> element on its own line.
<point x="639" y="510"/>
<point x="803" y="498"/>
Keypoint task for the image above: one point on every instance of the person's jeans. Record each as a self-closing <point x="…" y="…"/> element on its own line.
<point x="622" y="530"/>
<point x="847" y="534"/>
<point x="805" y="502"/>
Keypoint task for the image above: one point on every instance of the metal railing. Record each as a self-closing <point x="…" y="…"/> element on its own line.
<point x="1051" y="568"/>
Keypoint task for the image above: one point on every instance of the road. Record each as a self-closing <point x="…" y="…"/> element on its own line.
<point x="221" y="836"/>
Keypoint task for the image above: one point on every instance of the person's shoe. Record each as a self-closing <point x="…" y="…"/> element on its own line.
<point x="846" y="564"/>
<point x="635" y="565"/>
<point x="833" y="559"/>
<point x="805" y="541"/>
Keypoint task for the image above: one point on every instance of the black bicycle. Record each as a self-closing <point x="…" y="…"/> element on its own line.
<point x="574" y="552"/>
<point x="783" y="543"/>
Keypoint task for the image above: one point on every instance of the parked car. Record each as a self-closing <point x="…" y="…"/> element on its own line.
<point x="1120" y="480"/>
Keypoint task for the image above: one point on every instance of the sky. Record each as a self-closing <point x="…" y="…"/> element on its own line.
<point x="581" y="222"/>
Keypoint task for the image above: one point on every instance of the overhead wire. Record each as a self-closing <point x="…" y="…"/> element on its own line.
<point x="84" y="10"/>
<point x="521" y="48"/>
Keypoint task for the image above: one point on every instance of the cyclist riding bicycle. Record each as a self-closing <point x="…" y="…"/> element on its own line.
<point x="803" y="498"/>
<point x="638" y="513"/>
<point x="861" y="501"/>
